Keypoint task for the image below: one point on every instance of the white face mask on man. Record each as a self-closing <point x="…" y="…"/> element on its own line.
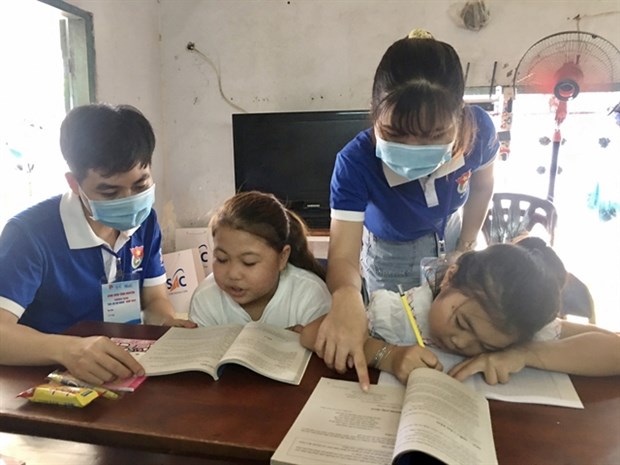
<point x="124" y="213"/>
<point x="412" y="161"/>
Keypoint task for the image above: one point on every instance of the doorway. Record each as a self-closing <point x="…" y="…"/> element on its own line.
<point x="47" y="53"/>
<point x="588" y="165"/>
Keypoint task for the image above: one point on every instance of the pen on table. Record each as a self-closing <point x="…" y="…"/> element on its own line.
<point x="107" y="393"/>
<point x="409" y="312"/>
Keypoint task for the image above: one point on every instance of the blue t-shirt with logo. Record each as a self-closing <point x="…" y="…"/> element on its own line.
<point x="402" y="213"/>
<point x="59" y="286"/>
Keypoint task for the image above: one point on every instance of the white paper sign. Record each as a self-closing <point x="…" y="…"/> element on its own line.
<point x="184" y="272"/>
<point x="319" y="245"/>
<point x="200" y="238"/>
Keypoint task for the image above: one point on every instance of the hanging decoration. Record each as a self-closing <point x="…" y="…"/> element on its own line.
<point x="474" y="15"/>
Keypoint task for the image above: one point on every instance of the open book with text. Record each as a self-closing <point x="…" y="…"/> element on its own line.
<point x="529" y="386"/>
<point x="433" y="416"/>
<point x="272" y="352"/>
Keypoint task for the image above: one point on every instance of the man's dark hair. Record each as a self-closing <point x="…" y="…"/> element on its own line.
<point x="107" y="139"/>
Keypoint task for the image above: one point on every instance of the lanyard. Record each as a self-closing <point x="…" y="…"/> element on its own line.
<point x="119" y="267"/>
<point x="441" y="231"/>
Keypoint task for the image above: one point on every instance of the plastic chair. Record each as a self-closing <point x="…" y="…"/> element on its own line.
<point x="513" y="215"/>
<point x="577" y="300"/>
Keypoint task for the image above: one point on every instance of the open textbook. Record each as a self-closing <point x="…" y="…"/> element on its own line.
<point x="272" y="352"/>
<point x="433" y="416"/>
<point x="529" y="386"/>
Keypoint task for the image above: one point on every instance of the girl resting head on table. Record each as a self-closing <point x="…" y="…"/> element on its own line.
<point x="262" y="268"/>
<point x="496" y="306"/>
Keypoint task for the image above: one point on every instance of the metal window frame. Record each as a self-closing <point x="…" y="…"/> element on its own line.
<point x="77" y="33"/>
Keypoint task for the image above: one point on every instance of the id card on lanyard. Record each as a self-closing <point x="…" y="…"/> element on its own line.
<point x="432" y="268"/>
<point x="121" y="299"/>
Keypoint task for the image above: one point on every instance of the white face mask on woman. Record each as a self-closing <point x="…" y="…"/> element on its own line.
<point x="412" y="161"/>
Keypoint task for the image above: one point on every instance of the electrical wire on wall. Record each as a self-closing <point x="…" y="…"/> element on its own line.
<point x="192" y="48"/>
<point x="579" y="16"/>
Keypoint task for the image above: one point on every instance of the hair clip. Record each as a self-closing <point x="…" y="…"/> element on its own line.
<point x="420" y="34"/>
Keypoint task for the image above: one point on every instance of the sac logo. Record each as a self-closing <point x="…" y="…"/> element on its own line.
<point x="204" y="253"/>
<point x="177" y="281"/>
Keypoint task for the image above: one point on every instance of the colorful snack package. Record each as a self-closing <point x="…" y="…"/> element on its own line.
<point x="67" y="379"/>
<point x="60" y="395"/>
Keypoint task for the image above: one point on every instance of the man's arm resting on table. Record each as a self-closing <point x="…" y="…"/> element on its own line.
<point x="158" y="309"/>
<point x="93" y="359"/>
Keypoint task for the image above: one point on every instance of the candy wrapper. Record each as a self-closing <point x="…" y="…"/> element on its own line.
<point x="60" y="395"/>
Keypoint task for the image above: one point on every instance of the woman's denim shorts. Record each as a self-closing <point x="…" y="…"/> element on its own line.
<point x="386" y="264"/>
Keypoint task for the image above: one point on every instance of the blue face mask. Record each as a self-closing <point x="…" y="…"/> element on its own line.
<point x="123" y="214"/>
<point x="412" y="161"/>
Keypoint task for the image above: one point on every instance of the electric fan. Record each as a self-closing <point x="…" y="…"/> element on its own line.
<point x="565" y="64"/>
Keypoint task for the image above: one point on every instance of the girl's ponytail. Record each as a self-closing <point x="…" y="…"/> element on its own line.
<point x="301" y="256"/>
<point x="546" y="257"/>
<point x="264" y="216"/>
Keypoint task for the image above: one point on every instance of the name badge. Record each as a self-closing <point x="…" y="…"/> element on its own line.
<point x="121" y="302"/>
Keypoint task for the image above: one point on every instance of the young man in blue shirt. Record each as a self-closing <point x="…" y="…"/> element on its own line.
<point x="93" y="253"/>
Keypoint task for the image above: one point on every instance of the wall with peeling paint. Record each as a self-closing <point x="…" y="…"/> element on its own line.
<point x="279" y="55"/>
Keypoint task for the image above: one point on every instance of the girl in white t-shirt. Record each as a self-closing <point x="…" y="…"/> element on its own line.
<point x="497" y="306"/>
<point x="263" y="269"/>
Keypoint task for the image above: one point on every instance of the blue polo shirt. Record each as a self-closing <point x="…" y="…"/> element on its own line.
<point x="52" y="264"/>
<point x="394" y="208"/>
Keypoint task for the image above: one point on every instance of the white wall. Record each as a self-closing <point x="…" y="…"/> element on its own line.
<point x="128" y="65"/>
<point x="279" y="55"/>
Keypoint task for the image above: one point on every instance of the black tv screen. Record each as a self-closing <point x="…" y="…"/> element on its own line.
<point x="292" y="155"/>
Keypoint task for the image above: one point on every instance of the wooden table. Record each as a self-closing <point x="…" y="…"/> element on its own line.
<point x="243" y="417"/>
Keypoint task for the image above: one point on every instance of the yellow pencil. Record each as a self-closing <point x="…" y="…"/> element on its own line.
<point x="409" y="312"/>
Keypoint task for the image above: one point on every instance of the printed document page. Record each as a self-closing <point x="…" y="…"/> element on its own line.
<point x="445" y="419"/>
<point x="185" y="349"/>
<point x="270" y="351"/>
<point x="267" y="350"/>
<point x="529" y="386"/>
<point x="342" y="425"/>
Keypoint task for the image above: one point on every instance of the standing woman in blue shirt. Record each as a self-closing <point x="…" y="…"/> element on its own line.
<point x="416" y="184"/>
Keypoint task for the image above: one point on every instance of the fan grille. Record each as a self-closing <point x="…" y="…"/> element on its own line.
<point x="586" y="58"/>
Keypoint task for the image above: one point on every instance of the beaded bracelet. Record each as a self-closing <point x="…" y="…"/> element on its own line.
<point x="382" y="353"/>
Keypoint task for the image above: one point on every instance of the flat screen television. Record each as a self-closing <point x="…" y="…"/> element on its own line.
<point x="292" y="155"/>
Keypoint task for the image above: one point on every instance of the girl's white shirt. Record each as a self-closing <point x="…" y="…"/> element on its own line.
<point x="387" y="319"/>
<point x="301" y="297"/>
